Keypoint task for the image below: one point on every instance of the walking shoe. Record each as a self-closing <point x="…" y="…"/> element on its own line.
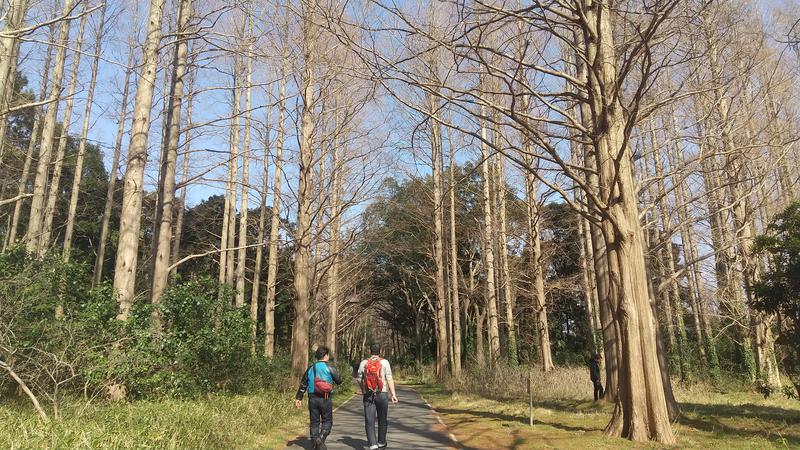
<point x="384" y="445"/>
<point x="373" y="447"/>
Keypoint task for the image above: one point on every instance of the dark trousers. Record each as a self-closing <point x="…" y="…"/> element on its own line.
<point x="598" y="390"/>
<point x="320" y="412"/>
<point x="376" y="406"/>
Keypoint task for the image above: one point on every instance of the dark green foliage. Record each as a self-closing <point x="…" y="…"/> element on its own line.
<point x="779" y="291"/>
<point x="53" y="355"/>
<point x="204" y="345"/>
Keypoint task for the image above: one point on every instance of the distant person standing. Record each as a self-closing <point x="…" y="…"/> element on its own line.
<point x="594" y="374"/>
<point x="376" y="382"/>
<point x="318" y="382"/>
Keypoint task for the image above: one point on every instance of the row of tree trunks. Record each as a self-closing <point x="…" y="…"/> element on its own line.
<point x="241" y="261"/>
<point x="58" y="164"/>
<point x="108" y="207"/>
<point x="272" y="255"/>
<point x="36" y="220"/>
<point x="165" y="210"/>
<point x="87" y="114"/>
<point x="11" y="238"/>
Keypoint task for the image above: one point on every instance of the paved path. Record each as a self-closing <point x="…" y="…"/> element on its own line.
<point x="412" y="425"/>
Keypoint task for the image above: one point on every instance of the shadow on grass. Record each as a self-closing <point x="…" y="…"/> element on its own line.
<point x="706" y="417"/>
<point x="749" y="410"/>
<point x="512" y="418"/>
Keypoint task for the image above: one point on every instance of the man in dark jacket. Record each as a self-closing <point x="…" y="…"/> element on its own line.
<point x="594" y="374"/>
<point x="318" y="382"/>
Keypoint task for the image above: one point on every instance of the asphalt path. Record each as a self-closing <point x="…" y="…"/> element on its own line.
<point x="412" y="425"/>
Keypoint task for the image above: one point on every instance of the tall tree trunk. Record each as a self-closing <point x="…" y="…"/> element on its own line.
<point x="641" y="410"/>
<point x="133" y="191"/>
<point x="58" y="165"/>
<point x="87" y="114"/>
<point x="187" y="145"/>
<point x="335" y="248"/>
<point x="513" y="354"/>
<point x="233" y="174"/>
<point x="26" y="167"/>
<point x="35" y="222"/>
<point x="262" y="223"/>
<point x="275" y="222"/>
<point x="165" y="213"/>
<point x="302" y="266"/>
<point x="673" y="293"/>
<point x="454" y="295"/>
<point x="491" y="298"/>
<point x="241" y="264"/>
<point x="438" y="240"/>
<point x="537" y="278"/>
<point x="9" y="49"/>
<point x="108" y="208"/>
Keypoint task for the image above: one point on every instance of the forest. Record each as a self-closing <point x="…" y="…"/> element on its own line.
<point x="195" y="196"/>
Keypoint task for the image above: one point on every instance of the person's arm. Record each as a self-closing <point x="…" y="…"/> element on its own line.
<point x="298" y="398"/>
<point x="390" y="380"/>
<point x="360" y="377"/>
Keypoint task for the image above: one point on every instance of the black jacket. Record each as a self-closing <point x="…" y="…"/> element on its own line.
<point x="594" y="370"/>
<point x="304" y="380"/>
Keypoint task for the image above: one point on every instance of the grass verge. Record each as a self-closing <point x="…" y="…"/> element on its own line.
<point x="733" y="420"/>
<point x="263" y="420"/>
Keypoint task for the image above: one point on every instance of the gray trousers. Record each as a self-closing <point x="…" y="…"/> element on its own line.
<point x="376" y="407"/>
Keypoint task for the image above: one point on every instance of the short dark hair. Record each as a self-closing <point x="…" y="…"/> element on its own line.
<point x="375" y="348"/>
<point x="321" y="352"/>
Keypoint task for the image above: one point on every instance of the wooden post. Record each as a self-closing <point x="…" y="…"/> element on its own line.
<point x="530" y="394"/>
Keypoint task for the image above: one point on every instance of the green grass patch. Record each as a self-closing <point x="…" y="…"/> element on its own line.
<point x="262" y="420"/>
<point x="739" y="420"/>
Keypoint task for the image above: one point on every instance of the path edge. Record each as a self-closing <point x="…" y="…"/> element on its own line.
<point x="439" y="419"/>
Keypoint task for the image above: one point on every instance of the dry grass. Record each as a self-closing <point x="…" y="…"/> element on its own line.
<point x="489" y="411"/>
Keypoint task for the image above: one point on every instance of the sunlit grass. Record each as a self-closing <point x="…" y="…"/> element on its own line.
<point x="263" y="420"/>
<point x="486" y="415"/>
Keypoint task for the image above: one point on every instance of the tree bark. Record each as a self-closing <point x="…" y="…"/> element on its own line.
<point x="438" y="241"/>
<point x="275" y="222"/>
<point x="641" y="409"/>
<point x="241" y="263"/>
<point x="58" y="165"/>
<point x="108" y="209"/>
<point x="454" y="295"/>
<point x="131" y="216"/>
<point x="537" y="278"/>
<point x="302" y="266"/>
<point x="9" y="49"/>
<point x="262" y="223"/>
<point x="507" y="288"/>
<point x="491" y="298"/>
<point x="87" y="114"/>
<point x="165" y="213"/>
<point x="35" y="222"/>
<point x="26" y="167"/>
<point x="187" y="145"/>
